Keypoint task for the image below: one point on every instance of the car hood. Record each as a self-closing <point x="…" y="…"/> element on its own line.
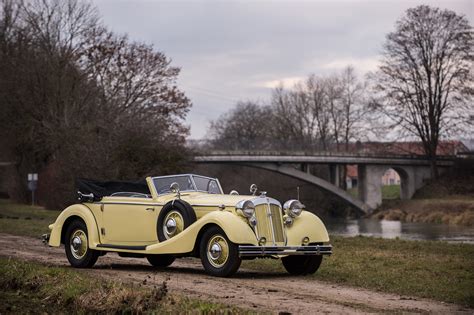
<point x="215" y="199"/>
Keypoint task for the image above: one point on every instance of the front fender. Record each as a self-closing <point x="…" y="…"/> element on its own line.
<point x="236" y="229"/>
<point x="82" y="212"/>
<point x="308" y="225"/>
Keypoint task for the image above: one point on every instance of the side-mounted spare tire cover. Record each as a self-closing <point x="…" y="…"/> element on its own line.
<point x="175" y="217"/>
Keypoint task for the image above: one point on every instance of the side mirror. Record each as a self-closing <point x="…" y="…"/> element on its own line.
<point x="174" y="187"/>
<point x="253" y="189"/>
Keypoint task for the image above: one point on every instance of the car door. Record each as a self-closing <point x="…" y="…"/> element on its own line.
<point x="129" y="221"/>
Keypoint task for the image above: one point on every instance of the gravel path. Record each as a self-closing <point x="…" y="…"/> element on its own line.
<point x="275" y="292"/>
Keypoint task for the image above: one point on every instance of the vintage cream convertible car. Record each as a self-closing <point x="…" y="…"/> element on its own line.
<point x="167" y="217"/>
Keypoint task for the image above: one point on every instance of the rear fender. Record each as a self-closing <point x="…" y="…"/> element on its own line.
<point x="76" y="210"/>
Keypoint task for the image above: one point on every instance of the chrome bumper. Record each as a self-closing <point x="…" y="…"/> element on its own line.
<point x="45" y="238"/>
<point x="250" y="250"/>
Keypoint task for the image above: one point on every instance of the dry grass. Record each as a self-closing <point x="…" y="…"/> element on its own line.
<point x="428" y="269"/>
<point x="447" y="211"/>
<point x="25" y="220"/>
<point x="33" y="288"/>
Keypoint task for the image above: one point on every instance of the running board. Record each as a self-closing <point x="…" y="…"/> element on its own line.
<point x="105" y="246"/>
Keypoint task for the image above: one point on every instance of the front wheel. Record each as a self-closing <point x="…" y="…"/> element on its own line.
<point x="219" y="256"/>
<point x="77" y="248"/>
<point x="302" y="265"/>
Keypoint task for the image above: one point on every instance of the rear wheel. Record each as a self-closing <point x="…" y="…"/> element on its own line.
<point x="302" y="265"/>
<point x="160" y="261"/>
<point x="219" y="256"/>
<point x="77" y="246"/>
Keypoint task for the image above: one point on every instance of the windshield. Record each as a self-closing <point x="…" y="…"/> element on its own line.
<point x="187" y="183"/>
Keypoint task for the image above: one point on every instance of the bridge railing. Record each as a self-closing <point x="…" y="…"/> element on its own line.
<point x="320" y="153"/>
<point x="375" y="149"/>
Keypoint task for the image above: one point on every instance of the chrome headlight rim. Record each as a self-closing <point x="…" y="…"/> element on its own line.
<point x="246" y="207"/>
<point x="293" y="208"/>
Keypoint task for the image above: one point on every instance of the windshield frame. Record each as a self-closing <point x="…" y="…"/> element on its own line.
<point x="192" y="181"/>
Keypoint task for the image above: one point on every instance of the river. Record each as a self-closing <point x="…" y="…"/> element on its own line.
<point x="403" y="230"/>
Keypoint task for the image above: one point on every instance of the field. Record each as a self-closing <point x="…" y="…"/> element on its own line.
<point x="389" y="192"/>
<point x="34" y="288"/>
<point x="429" y="269"/>
<point x="424" y="269"/>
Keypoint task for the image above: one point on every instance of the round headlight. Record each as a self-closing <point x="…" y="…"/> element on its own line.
<point x="293" y="208"/>
<point x="247" y="207"/>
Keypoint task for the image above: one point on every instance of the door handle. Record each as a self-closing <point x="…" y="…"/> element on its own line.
<point x="150" y="209"/>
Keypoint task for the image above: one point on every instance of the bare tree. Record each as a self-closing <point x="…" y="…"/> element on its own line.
<point x="355" y="110"/>
<point x="78" y="100"/>
<point x="425" y="80"/>
<point x="246" y="127"/>
<point x="317" y="90"/>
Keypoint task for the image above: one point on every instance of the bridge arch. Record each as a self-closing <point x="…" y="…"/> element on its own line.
<point x="321" y="183"/>
<point x="414" y="170"/>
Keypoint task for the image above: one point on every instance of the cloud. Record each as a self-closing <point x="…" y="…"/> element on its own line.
<point x="286" y="82"/>
<point x="363" y="65"/>
<point x="238" y="49"/>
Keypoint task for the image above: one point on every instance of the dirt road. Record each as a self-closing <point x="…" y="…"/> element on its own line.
<point x="248" y="289"/>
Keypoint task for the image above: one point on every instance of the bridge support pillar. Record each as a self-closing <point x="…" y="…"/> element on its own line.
<point x="305" y="168"/>
<point x="370" y="181"/>
<point x="334" y="175"/>
<point x="412" y="179"/>
<point x="370" y="184"/>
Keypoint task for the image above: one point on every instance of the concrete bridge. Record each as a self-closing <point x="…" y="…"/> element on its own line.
<point x="413" y="170"/>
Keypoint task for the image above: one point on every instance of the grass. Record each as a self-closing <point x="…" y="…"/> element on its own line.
<point x="33" y="288"/>
<point x="428" y="269"/>
<point x="388" y="192"/>
<point x="25" y="219"/>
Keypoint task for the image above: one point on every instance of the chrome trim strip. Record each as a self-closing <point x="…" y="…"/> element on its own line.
<point x="265" y="200"/>
<point x="269" y="216"/>
<point x="115" y="194"/>
<point x="192" y="180"/>
<point x="204" y="205"/>
<point x="128" y="203"/>
<point x="250" y="250"/>
<point x="194" y="183"/>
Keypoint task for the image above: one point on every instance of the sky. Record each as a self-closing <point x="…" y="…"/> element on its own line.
<point x="231" y="51"/>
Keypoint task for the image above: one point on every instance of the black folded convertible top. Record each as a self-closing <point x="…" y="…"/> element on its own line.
<point x="101" y="189"/>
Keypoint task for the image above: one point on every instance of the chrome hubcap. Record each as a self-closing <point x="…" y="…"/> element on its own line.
<point x="217" y="251"/>
<point x="78" y="244"/>
<point x="173" y="224"/>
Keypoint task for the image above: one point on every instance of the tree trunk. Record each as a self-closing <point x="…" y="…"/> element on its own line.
<point x="434" y="167"/>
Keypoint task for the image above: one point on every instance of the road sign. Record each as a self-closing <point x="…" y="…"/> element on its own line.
<point x="32" y="185"/>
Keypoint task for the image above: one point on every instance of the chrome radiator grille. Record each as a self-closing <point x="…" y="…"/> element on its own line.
<point x="270" y="223"/>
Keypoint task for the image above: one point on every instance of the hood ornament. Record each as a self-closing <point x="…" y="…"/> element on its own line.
<point x="253" y="189"/>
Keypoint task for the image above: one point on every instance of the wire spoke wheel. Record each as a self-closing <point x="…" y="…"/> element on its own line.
<point x="217" y="251"/>
<point x="219" y="256"/>
<point x="173" y="224"/>
<point x="78" y="244"/>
